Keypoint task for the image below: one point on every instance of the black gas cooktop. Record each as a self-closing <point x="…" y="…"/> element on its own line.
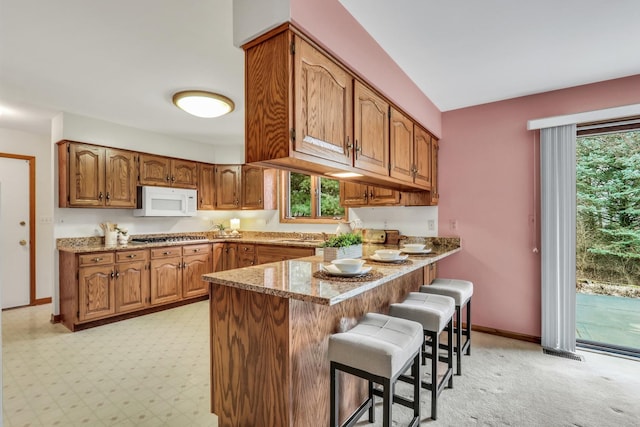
<point x="169" y="239"/>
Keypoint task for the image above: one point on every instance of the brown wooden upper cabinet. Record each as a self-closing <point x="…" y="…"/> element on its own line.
<point x="206" y="186"/>
<point x="322" y="94"/>
<point x="307" y="112"/>
<point x="228" y="186"/>
<point x="167" y="172"/>
<point x="435" y="192"/>
<point x="411" y="155"/>
<point x="95" y="176"/>
<point x="371" y="130"/>
<point x="354" y="194"/>
<point x="245" y="187"/>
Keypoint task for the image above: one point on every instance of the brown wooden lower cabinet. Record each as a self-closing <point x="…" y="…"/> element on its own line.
<point x="430" y="273"/>
<point x="265" y="253"/>
<point x="100" y="287"/>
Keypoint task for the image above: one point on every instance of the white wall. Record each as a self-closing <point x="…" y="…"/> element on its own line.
<point x="30" y="144"/>
<point x="254" y="17"/>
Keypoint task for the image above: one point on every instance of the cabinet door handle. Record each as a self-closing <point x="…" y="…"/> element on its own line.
<point x="112" y="274"/>
<point x="371" y="194"/>
<point x="260" y="200"/>
<point x="100" y="196"/>
<point x="97" y="259"/>
<point x="168" y="178"/>
<point x="166" y="253"/>
<point x="364" y="195"/>
<point x="184" y="265"/>
<point x="173" y="178"/>
<point x="117" y="274"/>
<point x="196" y="250"/>
<point x="108" y="196"/>
<point x="131" y="256"/>
<point x="246" y="248"/>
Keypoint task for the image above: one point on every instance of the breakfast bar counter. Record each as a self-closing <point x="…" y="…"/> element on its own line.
<point x="270" y="326"/>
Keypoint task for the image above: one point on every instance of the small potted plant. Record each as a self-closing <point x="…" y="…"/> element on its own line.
<point x="347" y="245"/>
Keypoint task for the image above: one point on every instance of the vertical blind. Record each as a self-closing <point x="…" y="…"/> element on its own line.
<point x="558" y="226"/>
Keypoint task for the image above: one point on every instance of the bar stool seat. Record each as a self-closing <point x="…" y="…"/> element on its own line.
<point x="379" y="349"/>
<point x="435" y="314"/>
<point x="461" y="291"/>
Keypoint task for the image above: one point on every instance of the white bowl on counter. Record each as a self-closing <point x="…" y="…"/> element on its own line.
<point x="388" y="254"/>
<point x="413" y="247"/>
<point x="348" y="265"/>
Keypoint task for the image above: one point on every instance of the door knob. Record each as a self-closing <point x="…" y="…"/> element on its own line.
<point x="22" y="223"/>
<point x="23" y="242"/>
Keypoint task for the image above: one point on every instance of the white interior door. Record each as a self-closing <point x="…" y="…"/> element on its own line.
<point x="14" y="232"/>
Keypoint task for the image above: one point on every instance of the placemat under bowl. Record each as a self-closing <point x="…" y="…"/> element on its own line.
<point x="389" y="264"/>
<point x="371" y="275"/>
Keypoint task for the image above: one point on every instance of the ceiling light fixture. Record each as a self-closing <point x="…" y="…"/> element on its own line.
<point x="203" y="104"/>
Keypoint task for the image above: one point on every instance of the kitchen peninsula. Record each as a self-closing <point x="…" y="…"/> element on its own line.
<point x="270" y="325"/>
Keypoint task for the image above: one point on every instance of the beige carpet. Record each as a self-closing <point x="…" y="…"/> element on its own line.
<point x="507" y="382"/>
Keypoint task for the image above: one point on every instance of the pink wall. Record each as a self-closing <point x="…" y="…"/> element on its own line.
<point x="332" y="26"/>
<point x="487" y="185"/>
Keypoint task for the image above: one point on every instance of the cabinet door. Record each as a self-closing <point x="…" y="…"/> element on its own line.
<point x="230" y="256"/>
<point x="206" y="187"/>
<point x="86" y="175"/>
<point x="219" y="255"/>
<point x="352" y="194"/>
<point x="228" y="186"/>
<point x="155" y="170"/>
<point x="121" y="178"/>
<point x="422" y="151"/>
<point x="252" y="187"/>
<point x="383" y="196"/>
<point x="435" y="193"/>
<point x="131" y="286"/>
<point x="184" y="173"/>
<point x="401" y="147"/>
<point x="96" y="293"/>
<point x="166" y="280"/>
<point x="371" y="130"/>
<point x="430" y="273"/>
<point x="323" y="105"/>
<point x="193" y="267"/>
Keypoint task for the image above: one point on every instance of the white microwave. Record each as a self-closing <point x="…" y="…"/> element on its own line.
<point x="165" y="201"/>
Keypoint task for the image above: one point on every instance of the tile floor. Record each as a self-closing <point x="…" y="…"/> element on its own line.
<point x="148" y="371"/>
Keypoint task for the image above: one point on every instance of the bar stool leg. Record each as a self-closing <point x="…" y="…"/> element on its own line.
<point x="415" y="373"/>
<point x="387" y="401"/>
<point x="372" y="409"/>
<point x="450" y="351"/>
<point x="334" y="396"/>
<point x="468" y="353"/>
<point x="458" y="340"/>
<point x="434" y="373"/>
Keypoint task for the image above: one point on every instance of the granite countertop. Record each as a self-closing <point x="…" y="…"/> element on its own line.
<point x="294" y="278"/>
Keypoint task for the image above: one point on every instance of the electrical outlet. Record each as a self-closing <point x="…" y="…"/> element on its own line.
<point x="453" y="224"/>
<point x="384" y="225"/>
<point x="431" y="225"/>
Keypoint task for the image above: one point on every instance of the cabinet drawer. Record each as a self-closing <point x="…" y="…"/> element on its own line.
<point x="127" y="256"/>
<point x="99" y="258"/>
<point x="167" y="252"/>
<point x="246" y="248"/>
<point x="196" y="249"/>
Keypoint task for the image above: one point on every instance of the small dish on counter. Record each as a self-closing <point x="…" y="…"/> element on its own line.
<point x="421" y="251"/>
<point x="334" y="271"/>
<point x="348" y="265"/>
<point x="413" y="247"/>
<point x="400" y="258"/>
<point x="388" y="254"/>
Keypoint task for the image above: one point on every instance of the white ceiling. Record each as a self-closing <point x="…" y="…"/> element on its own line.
<point x="121" y="60"/>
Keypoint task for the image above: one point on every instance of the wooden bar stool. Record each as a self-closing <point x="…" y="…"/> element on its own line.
<point x="435" y="314"/>
<point x="461" y="291"/>
<point x="379" y="349"/>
